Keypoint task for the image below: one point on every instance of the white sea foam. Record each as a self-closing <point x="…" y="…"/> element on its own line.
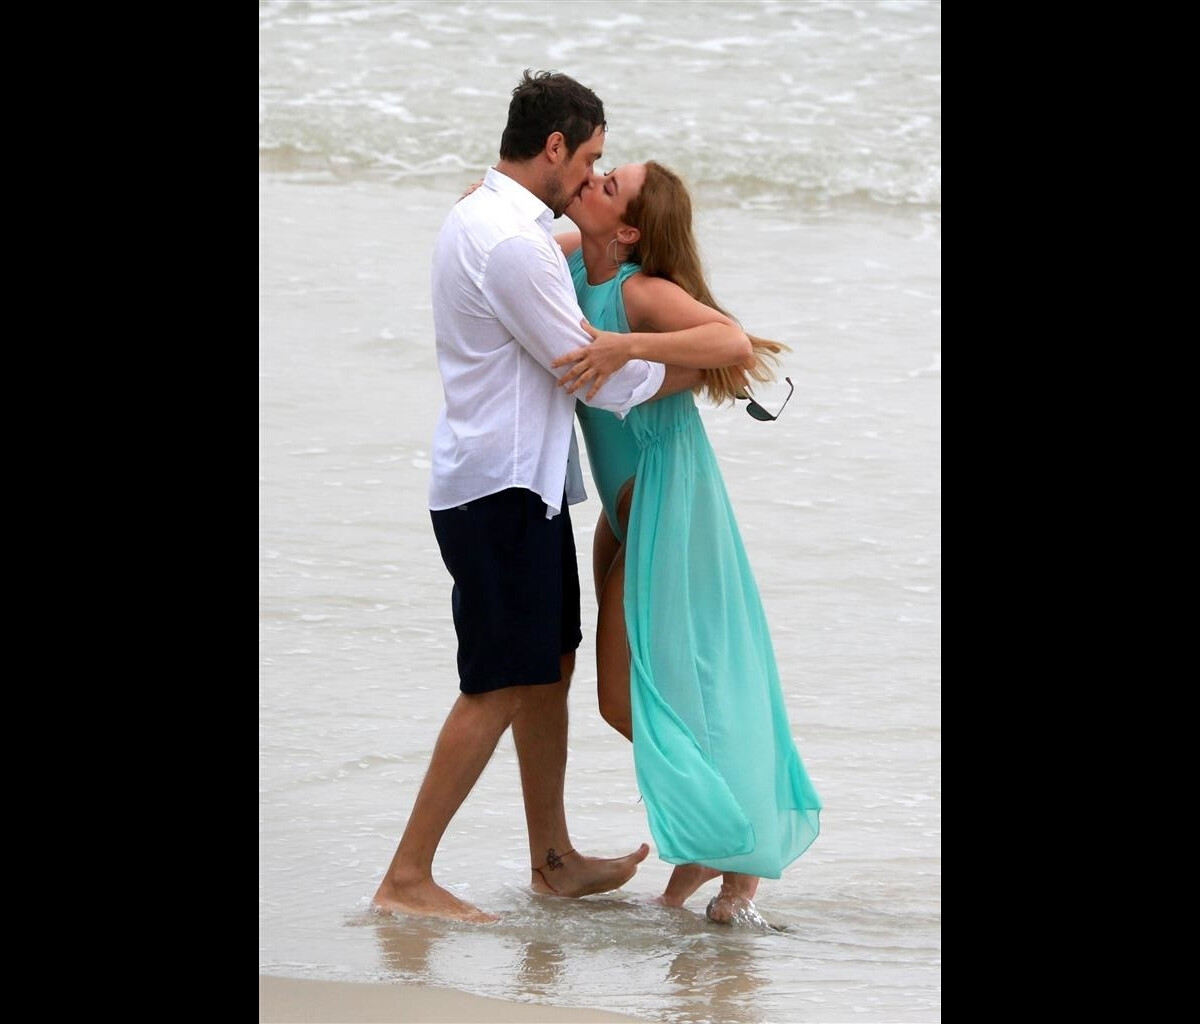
<point x="640" y="57"/>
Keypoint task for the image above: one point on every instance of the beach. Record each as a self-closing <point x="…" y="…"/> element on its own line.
<point x="837" y="502"/>
<point x="283" y="1000"/>
<point x="810" y="136"/>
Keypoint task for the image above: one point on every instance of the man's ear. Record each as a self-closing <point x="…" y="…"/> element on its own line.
<point x="627" y="235"/>
<point x="556" y="147"/>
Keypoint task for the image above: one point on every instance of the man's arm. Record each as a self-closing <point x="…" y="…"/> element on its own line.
<point x="524" y="283"/>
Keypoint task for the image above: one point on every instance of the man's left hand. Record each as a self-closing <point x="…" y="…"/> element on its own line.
<point x="593" y="363"/>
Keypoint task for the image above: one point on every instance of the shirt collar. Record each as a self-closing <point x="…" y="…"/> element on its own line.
<point x="517" y="194"/>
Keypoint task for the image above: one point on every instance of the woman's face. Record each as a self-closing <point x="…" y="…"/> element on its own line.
<point x="600" y="208"/>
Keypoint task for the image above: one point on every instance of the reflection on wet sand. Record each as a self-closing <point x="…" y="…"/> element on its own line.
<point x="717" y="978"/>
<point x="563" y="950"/>
<point x="406" y="943"/>
<point x="540" y="967"/>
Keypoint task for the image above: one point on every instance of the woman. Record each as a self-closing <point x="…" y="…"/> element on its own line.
<point x="684" y="659"/>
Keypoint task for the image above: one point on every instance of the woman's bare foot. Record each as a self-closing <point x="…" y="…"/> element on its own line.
<point x="734" y="904"/>
<point x="684" y="881"/>
<point x="573" y="874"/>
<point x="427" y="899"/>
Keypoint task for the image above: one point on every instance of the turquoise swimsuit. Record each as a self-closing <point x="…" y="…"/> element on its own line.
<point x="611" y="448"/>
<point x="716" y="763"/>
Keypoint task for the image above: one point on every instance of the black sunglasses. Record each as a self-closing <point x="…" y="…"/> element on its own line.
<point x="759" y="413"/>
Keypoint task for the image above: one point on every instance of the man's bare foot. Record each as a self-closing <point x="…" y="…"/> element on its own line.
<point x="684" y="881"/>
<point x="427" y="899"/>
<point x="573" y="874"/>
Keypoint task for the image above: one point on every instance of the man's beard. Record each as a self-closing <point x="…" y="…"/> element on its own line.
<point x="558" y="200"/>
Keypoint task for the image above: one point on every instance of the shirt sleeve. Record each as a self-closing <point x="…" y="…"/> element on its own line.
<point x="530" y="292"/>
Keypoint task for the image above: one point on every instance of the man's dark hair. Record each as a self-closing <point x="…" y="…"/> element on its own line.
<point x="546" y="103"/>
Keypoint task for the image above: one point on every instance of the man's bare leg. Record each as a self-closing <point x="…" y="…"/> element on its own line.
<point x="540" y="735"/>
<point x="465" y="745"/>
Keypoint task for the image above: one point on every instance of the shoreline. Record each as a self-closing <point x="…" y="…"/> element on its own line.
<point x="310" y="1001"/>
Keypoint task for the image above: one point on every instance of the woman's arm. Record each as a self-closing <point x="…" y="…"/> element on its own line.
<point x="669" y="326"/>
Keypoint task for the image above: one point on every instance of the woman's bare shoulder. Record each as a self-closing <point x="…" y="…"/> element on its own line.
<point x="656" y="304"/>
<point x="645" y="290"/>
<point x="568" y="241"/>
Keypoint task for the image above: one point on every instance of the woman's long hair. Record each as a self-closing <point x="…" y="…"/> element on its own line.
<point x="662" y="212"/>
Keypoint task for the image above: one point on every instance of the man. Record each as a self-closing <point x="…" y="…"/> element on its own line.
<point x="505" y="467"/>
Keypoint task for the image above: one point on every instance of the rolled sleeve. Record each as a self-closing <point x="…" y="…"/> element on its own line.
<point x="636" y="382"/>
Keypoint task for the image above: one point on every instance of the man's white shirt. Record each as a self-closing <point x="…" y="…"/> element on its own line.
<point x="504" y="309"/>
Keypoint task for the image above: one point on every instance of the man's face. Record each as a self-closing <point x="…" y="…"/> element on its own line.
<point x="569" y="177"/>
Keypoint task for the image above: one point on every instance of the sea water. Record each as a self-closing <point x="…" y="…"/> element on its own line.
<point x="810" y="135"/>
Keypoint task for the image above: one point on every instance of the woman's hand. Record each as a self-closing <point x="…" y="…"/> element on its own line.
<point x="593" y="363"/>
<point x="470" y="189"/>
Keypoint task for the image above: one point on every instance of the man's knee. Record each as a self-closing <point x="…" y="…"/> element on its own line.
<point x="504" y="701"/>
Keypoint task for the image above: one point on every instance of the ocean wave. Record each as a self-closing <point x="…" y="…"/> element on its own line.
<point x="767" y="103"/>
<point x="763" y="188"/>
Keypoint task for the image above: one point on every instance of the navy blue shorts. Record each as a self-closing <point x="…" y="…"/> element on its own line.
<point x="516" y="589"/>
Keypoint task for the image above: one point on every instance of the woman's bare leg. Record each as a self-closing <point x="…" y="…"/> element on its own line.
<point x="604" y="550"/>
<point x="612" y="652"/>
<point x="735" y="900"/>
<point x="684" y="881"/>
<point x="612" y="666"/>
<point x="612" y="641"/>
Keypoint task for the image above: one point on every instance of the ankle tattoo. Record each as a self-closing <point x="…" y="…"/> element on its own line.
<point x="554" y="859"/>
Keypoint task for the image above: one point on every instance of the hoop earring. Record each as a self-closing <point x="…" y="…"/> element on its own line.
<point x="612" y="256"/>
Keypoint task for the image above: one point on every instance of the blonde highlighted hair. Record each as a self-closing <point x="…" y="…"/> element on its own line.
<point x="662" y="212"/>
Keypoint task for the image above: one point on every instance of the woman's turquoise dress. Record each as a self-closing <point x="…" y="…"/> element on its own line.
<point x="717" y="767"/>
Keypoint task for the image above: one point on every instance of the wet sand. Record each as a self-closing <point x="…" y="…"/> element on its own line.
<point x="300" y="999"/>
